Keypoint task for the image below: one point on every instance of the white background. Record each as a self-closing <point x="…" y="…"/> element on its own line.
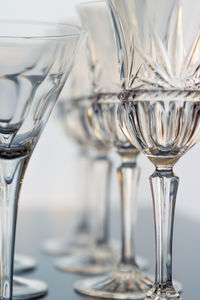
<point x="50" y="179"/>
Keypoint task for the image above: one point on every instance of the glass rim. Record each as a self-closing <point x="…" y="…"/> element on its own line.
<point x="77" y="30"/>
<point x="90" y="3"/>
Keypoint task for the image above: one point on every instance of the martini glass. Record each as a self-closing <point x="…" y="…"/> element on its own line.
<point x="35" y="60"/>
<point x="158" y="44"/>
<point x="99" y="256"/>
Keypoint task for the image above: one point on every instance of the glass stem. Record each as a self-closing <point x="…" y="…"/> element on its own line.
<point x="164" y="186"/>
<point x="11" y="176"/>
<point x="84" y="191"/>
<point x="101" y="184"/>
<point x="128" y="176"/>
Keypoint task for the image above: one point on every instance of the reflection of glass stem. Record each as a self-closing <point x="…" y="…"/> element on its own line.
<point x="128" y="176"/>
<point x="11" y="176"/>
<point x="101" y="184"/>
<point x="164" y="185"/>
<point x="84" y="191"/>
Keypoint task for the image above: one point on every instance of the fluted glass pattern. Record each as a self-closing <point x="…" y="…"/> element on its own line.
<point x="103" y="119"/>
<point x="164" y="125"/>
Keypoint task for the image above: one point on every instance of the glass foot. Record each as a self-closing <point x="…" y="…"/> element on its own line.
<point x="167" y="293"/>
<point x="85" y="264"/>
<point x="24" y="288"/>
<point x="117" y="285"/>
<point x="94" y="261"/>
<point x="23" y="263"/>
<point x="127" y="282"/>
<point x="64" y="246"/>
<point x="90" y="264"/>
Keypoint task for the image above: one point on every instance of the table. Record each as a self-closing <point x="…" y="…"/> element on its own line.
<point x="36" y="226"/>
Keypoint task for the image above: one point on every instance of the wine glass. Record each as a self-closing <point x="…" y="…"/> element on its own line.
<point x="127" y="280"/>
<point x="98" y="256"/>
<point x="35" y="60"/>
<point x="77" y="87"/>
<point x="159" y="50"/>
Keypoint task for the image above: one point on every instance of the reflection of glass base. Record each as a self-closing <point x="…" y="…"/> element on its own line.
<point x="117" y="285"/>
<point x="23" y="263"/>
<point x="168" y="293"/>
<point x="64" y="246"/>
<point x="28" y="288"/>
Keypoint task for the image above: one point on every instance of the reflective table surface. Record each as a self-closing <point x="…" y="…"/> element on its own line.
<point x="37" y="226"/>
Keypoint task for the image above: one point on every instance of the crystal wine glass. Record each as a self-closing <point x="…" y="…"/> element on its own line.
<point x="159" y="50"/>
<point x="78" y="86"/>
<point x="127" y="280"/>
<point x="97" y="257"/>
<point x="35" y="60"/>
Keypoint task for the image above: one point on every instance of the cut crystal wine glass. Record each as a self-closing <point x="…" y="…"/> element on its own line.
<point x="78" y="86"/>
<point x="127" y="280"/>
<point x="35" y="60"/>
<point x="159" y="51"/>
<point x="99" y="256"/>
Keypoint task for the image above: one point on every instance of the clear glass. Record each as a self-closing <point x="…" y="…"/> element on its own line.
<point x="164" y="128"/>
<point x="127" y="279"/>
<point x="102" y="52"/>
<point x="98" y="256"/>
<point x="23" y="263"/>
<point x="158" y="48"/>
<point x="73" y="121"/>
<point x="158" y="45"/>
<point x="35" y="60"/>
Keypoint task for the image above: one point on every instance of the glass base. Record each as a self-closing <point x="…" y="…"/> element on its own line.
<point x="127" y="282"/>
<point x="24" y="288"/>
<point x="99" y="261"/>
<point x="117" y="285"/>
<point x="23" y="263"/>
<point x="167" y="293"/>
<point x="94" y="261"/>
<point x="64" y="246"/>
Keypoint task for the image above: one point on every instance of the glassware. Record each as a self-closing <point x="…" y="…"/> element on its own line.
<point x="127" y="280"/>
<point x="99" y="256"/>
<point x="94" y="253"/>
<point x="35" y="60"/>
<point x="159" y="51"/>
<point x="23" y="263"/>
<point x="78" y="86"/>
